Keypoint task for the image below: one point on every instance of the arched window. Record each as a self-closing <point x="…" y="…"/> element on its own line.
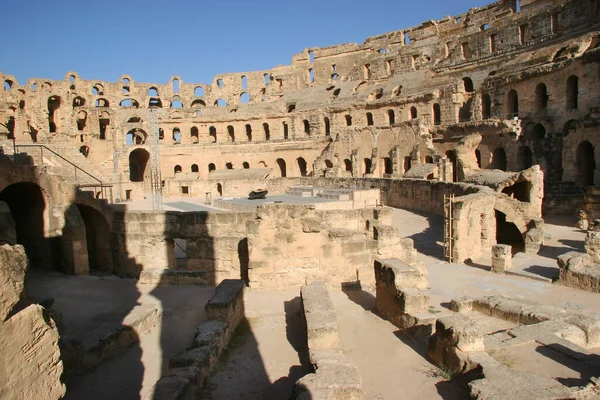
<point x="153" y="92"/>
<point x="135" y="136"/>
<point x="437" y="114"/>
<point x="468" y="85"/>
<point x="369" y="119"/>
<point x="413" y="113"/>
<point x="306" y="127"/>
<point x="138" y="159"/>
<point x="249" y="132"/>
<point x="212" y="133"/>
<point x="282" y="167"/>
<point x="388" y="165"/>
<point x="266" y="131"/>
<point x="229" y="165"/>
<point x="348" y="120"/>
<point x="176" y="135"/>
<point x="244" y="98"/>
<point x="328" y="164"/>
<point x="211" y="167"/>
<point x="245" y="165"/>
<point x="525" y="157"/>
<point x="486" y="106"/>
<point x="541" y="97"/>
<point x="177" y="169"/>
<point x="327" y="126"/>
<point x="198" y="91"/>
<point x="348" y="165"/>
<point x="231" y="133"/>
<point x="512" y="104"/>
<point x="176" y="104"/>
<point x="195" y="168"/>
<point x="367" y="165"/>
<point x="407" y="164"/>
<point x="572" y="92"/>
<point x="498" y="159"/>
<point x="220" y="103"/>
<point x="451" y="155"/>
<point x="391" y="117"/>
<point x="175" y="85"/>
<point x="194" y="135"/>
<point x="302" y="166"/>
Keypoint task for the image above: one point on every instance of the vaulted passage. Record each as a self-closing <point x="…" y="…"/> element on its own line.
<point x="97" y="237"/>
<point x="26" y="203"/>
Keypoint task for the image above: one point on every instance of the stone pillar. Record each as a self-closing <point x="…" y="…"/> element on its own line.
<point x="501" y="258"/>
<point x="592" y="241"/>
<point x="534" y="238"/>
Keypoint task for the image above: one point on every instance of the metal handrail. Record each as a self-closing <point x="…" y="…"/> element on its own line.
<point x="76" y="167"/>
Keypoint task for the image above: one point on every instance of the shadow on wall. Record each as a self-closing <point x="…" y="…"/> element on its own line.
<point x="62" y="233"/>
<point x="430" y="241"/>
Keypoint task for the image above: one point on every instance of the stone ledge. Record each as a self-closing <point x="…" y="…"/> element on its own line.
<point x="334" y="377"/>
<point x="156" y="276"/>
<point x="189" y="369"/>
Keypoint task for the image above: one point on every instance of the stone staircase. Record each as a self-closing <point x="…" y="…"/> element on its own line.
<point x="72" y="167"/>
<point x="563" y="198"/>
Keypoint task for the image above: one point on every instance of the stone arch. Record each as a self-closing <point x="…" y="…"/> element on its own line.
<point x="97" y="235"/>
<point x="138" y="160"/>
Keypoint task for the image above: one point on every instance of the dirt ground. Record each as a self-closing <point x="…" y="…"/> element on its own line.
<point x="267" y="354"/>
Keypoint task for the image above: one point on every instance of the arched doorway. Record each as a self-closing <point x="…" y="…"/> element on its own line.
<point x="367" y="165"/>
<point x="498" y="159"/>
<point x="451" y="155"/>
<point x="138" y="159"/>
<point x="97" y="237"/>
<point x="302" y="166"/>
<point x="282" y="167"/>
<point x="585" y="164"/>
<point x="525" y="157"/>
<point x="26" y="203"/>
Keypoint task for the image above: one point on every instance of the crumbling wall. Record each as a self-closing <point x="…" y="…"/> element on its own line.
<point x="32" y="365"/>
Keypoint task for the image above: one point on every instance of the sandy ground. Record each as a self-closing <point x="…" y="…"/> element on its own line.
<point x="267" y="353"/>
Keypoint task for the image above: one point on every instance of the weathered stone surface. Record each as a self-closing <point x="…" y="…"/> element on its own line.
<point x="501" y="258"/>
<point x="13" y="264"/>
<point x="321" y="321"/>
<point x="32" y="366"/>
<point x="172" y="388"/>
<point x="499" y="382"/>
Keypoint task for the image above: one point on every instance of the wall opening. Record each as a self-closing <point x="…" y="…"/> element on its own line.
<point x="327" y="126"/>
<point x="348" y="165"/>
<point x="348" y="120"/>
<point x="451" y="155"/>
<point x="249" y="132"/>
<point x="198" y="91"/>
<point x="194" y="135"/>
<point x="97" y="237"/>
<point x="468" y="85"/>
<point x="585" y="164"/>
<point x="266" y="131"/>
<point x="231" y="133"/>
<point x="413" y="112"/>
<point x="525" y="157"/>
<point x="498" y="159"/>
<point x="391" y="117"/>
<point x="486" y="106"/>
<point x="520" y="191"/>
<point x="369" y="119"/>
<point x="541" y="97"/>
<point x="195" y="168"/>
<point x="26" y="203"/>
<point x="53" y="106"/>
<point x="211" y="167"/>
<point x="285" y="130"/>
<point x="306" y="127"/>
<point x="572" y="92"/>
<point x="407" y="164"/>
<point x="388" y="166"/>
<point x="212" y="133"/>
<point x="177" y="169"/>
<point x="282" y="167"/>
<point x="367" y="163"/>
<point x="512" y="104"/>
<point x="302" y="166"/>
<point x="437" y="114"/>
<point x="508" y="233"/>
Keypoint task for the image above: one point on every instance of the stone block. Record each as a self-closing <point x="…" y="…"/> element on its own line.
<point x="172" y="388"/>
<point x="13" y="265"/>
<point x="501" y="258"/>
<point x="227" y="304"/>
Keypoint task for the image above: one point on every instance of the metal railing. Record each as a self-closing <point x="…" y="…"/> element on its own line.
<point x="105" y="190"/>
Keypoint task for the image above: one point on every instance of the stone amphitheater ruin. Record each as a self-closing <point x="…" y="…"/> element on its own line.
<point x="430" y="228"/>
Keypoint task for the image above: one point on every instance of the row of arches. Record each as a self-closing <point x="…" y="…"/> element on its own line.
<point x="542" y="97"/>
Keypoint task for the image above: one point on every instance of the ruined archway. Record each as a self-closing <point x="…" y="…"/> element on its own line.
<point x="97" y="236"/>
<point x="498" y="159"/>
<point x="525" y="158"/>
<point x="26" y="203"/>
<point x="508" y="233"/>
<point x="138" y="160"/>
<point x="282" y="167"/>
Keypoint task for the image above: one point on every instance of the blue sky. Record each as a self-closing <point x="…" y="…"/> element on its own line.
<point x="153" y="40"/>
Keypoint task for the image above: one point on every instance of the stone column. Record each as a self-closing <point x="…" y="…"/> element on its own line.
<point x="592" y="241"/>
<point x="501" y="258"/>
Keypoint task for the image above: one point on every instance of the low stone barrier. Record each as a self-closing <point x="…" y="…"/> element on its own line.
<point x="189" y="369"/>
<point x="334" y="377"/>
<point x="400" y="295"/>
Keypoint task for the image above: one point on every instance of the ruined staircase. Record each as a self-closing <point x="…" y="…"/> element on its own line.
<point x="68" y="167"/>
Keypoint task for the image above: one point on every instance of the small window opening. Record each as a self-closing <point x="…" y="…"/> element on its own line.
<point x="175" y="85"/>
<point x="198" y="91"/>
<point x="348" y="120"/>
<point x="369" y="119"/>
<point x="220" y="83"/>
<point x="244" y="82"/>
